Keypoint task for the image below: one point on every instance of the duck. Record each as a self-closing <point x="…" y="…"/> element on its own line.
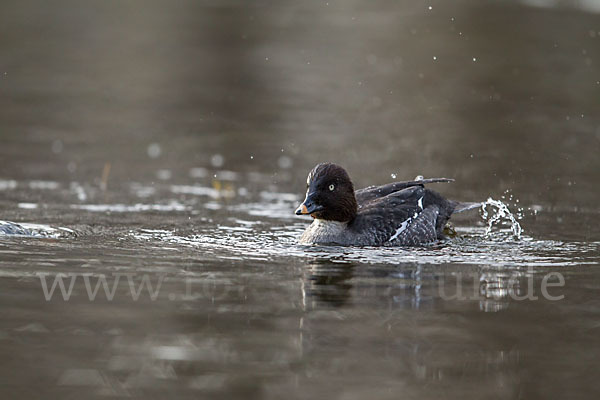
<point x="396" y="214"/>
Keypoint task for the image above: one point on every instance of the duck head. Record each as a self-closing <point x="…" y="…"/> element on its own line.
<point x="329" y="194"/>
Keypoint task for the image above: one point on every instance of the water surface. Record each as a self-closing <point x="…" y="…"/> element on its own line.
<point x="169" y="145"/>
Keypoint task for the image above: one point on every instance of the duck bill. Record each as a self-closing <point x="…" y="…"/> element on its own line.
<point x="308" y="206"/>
<point x="302" y="210"/>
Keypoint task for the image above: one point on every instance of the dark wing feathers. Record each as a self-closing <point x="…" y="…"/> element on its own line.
<point x="409" y="216"/>
<point x="374" y="192"/>
<point x="379" y="219"/>
<point x="420" y="230"/>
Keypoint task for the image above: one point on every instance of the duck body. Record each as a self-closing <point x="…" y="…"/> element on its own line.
<point x="396" y="214"/>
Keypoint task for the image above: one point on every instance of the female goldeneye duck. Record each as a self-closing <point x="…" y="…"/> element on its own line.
<point x="396" y="214"/>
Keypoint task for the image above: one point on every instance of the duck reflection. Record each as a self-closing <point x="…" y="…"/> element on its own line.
<point x="395" y="313"/>
<point x="327" y="283"/>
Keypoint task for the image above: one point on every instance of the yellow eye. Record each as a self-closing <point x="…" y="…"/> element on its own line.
<point x="331" y="187"/>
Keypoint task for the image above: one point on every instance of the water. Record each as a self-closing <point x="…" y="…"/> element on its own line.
<point x="501" y="215"/>
<point x="153" y="157"/>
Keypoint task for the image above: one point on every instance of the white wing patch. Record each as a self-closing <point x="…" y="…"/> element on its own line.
<point x="401" y="229"/>
<point x="407" y="222"/>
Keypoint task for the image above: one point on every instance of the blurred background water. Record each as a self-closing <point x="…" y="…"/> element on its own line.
<point x="172" y="140"/>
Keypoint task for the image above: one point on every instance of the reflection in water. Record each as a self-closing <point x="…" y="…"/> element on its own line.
<point x="495" y="288"/>
<point x="326" y="283"/>
<point x="400" y="303"/>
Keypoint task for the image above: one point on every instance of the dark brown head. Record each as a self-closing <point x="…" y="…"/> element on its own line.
<point x="329" y="194"/>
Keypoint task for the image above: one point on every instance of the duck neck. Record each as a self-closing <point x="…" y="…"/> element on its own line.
<point x="345" y="211"/>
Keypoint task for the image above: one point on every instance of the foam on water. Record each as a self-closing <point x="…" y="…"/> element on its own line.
<point x="8" y="228"/>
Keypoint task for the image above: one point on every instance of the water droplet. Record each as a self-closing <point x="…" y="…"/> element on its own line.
<point x="393" y="176"/>
<point x="154" y="150"/>
<point x="285" y="162"/>
<point x="217" y="160"/>
<point x="434" y="58"/>
<point x="474" y="59"/>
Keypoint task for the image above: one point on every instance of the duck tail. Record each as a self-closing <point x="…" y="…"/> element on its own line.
<point x="465" y="206"/>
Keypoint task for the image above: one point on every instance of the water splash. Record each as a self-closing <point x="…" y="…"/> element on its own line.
<point x="496" y="212"/>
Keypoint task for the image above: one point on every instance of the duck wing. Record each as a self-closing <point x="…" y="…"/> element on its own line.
<point x="410" y="216"/>
<point x="374" y="192"/>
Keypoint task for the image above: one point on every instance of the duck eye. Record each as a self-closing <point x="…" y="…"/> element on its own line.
<point x="331" y="187"/>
